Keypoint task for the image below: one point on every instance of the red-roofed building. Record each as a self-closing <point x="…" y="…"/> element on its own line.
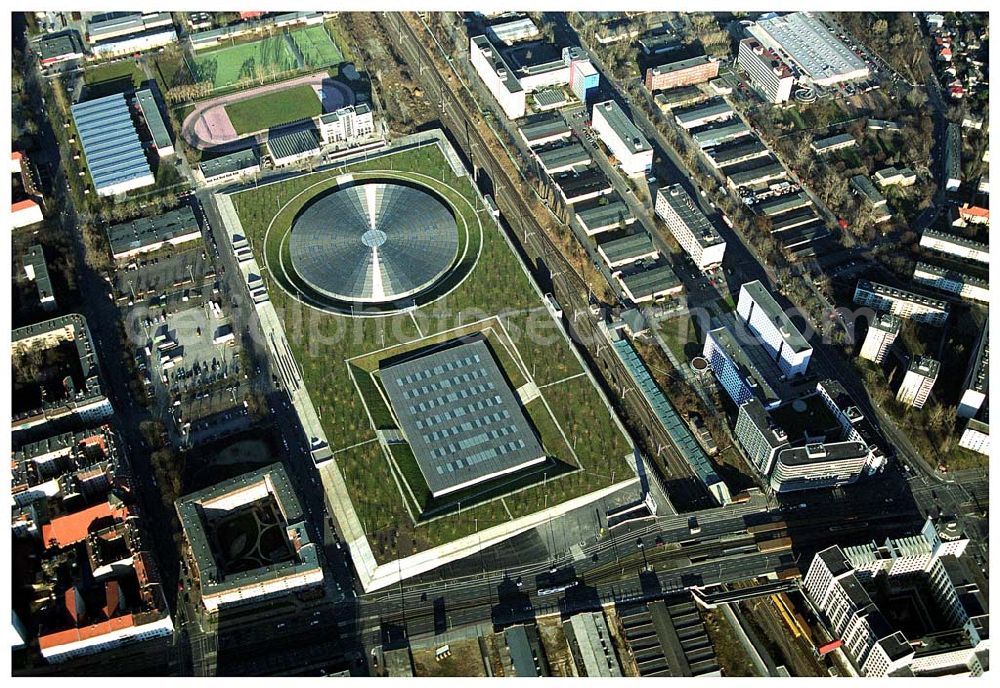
<point x="250" y="15"/>
<point x="73" y="528"/>
<point x="973" y="214"/>
<point x="25" y="213"/>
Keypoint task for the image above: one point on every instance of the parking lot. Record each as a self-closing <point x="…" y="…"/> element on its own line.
<point x="166" y="273"/>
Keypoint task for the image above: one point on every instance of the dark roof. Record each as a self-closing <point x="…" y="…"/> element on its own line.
<point x="154" y="120"/>
<point x="608" y="215"/>
<point x="677" y="66"/>
<point x="231" y="162"/>
<point x="632" y="246"/>
<point x="651" y="280"/>
<point x="835" y="560"/>
<point x="576" y="184"/>
<point x="460" y="416"/>
<point x="58" y="44"/>
<point x="544" y="128"/>
<point x="145" y="231"/>
<point x="293" y="143"/>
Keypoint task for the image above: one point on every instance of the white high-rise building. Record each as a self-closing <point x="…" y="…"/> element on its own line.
<point x="622" y="138"/>
<point x="497" y="75"/>
<point x="918" y="381"/>
<point x="690" y="227"/>
<point x="767" y="71"/>
<point x="882" y="332"/>
<point x="768" y="321"/>
<point x="347" y="124"/>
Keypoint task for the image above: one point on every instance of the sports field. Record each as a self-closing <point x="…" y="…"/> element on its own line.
<point x="274" y="109"/>
<point x="333" y="351"/>
<point x="307" y="48"/>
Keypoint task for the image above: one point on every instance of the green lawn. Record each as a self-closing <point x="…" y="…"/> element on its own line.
<point x="274" y="109"/>
<point x="260" y="60"/>
<point x="318" y="49"/>
<point x="114" y="77"/>
<point x="321" y="343"/>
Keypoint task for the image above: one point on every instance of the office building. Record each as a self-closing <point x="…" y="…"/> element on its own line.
<point x="806" y="43"/>
<point x="953" y="158"/>
<point x="348" y="124"/>
<point x="833" y="143"/>
<point x="901" y="303"/>
<point x="693" y="231"/>
<point x="918" y="381"/>
<point x="497" y="76"/>
<point x="115" y="157"/>
<point x="695" y="70"/>
<point x="622" y="138"/>
<point x="759" y="437"/>
<point x="222" y="527"/>
<point x="145" y="234"/>
<point x="965" y="280"/>
<point x="818" y="465"/>
<point x="734" y="366"/>
<point x="762" y="315"/>
<point x="976" y="385"/>
<point x="583" y="79"/>
<point x="882" y="332"/>
<point x="766" y="70"/>
<point x="976" y="436"/>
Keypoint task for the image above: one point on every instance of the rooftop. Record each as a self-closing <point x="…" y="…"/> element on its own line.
<point x="110" y="143"/>
<point x="622" y="126"/>
<point x="865" y="187"/>
<point x="679" y="65"/>
<point x="612" y="213"/>
<point x="699" y="112"/>
<point x="886" y="322"/>
<point x="651" y="280"/>
<point x="736" y="150"/>
<point x="558" y="156"/>
<point x="768" y="168"/>
<point x="577" y="184"/>
<point x="681" y="203"/>
<point x="835" y="561"/>
<point x="545" y="127"/>
<point x="833" y="141"/>
<point x="780" y="204"/>
<point x="146" y="231"/>
<point x="956" y="239"/>
<point x="747" y="367"/>
<point x="719" y="134"/>
<point x="776" y="315"/>
<point x="633" y="246"/>
<point x="34" y="258"/>
<point x="821" y="453"/>
<point x="54" y="45"/>
<point x="293" y="143"/>
<point x="230" y="163"/>
<point x="888" y="292"/>
<point x="809" y="42"/>
<point x="497" y="64"/>
<point x="154" y="120"/>
<point x="924" y="365"/>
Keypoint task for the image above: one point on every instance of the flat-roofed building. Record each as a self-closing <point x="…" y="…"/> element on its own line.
<point x="545" y="129"/>
<point x="36" y="270"/>
<point x="59" y="47"/>
<point x="693" y="231"/>
<point x="737" y="152"/>
<point x="977" y="379"/>
<point x="767" y="71"/>
<point x="955" y="245"/>
<point x="293" y="146"/>
<point x="650" y="282"/>
<point x="715" y="136"/>
<point x="622" y="138"/>
<point x="759" y="436"/>
<point x="736" y="370"/>
<point x="818" y="465"/>
<point x="626" y="250"/>
<point x="581" y="186"/>
<point x="460" y="417"/>
<point x="694" y="70"/>
<point x="150" y="39"/>
<point x="109" y="25"/>
<point x="783" y="204"/>
<point x="498" y="77"/>
<point x="115" y="157"/>
<point x="145" y="234"/>
<point x="953" y="158"/>
<point x="976" y="437"/>
<point x="509" y="32"/>
<point x="715" y="111"/>
<point x="583" y="78"/>
<point x="678" y="97"/>
<point x="25" y="213"/>
<point x="895" y="176"/>
<point x="549" y="99"/>
<point x="591" y="645"/>
<point x="154" y="122"/>
<point x="753" y="173"/>
<point x="231" y="166"/>
<point x="833" y="143"/>
<point x="562" y="157"/>
<point x="605" y="218"/>
<point x="882" y="332"/>
<point x="872" y="197"/>
<point x="806" y="42"/>
<point x="350" y="123"/>
<point x="766" y="319"/>
<point x="963" y="280"/>
<point x="902" y="303"/>
<point x="919" y="380"/>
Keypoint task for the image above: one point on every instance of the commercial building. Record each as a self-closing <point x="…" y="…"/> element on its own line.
<point x="72" y="386"/>
<point x="497" y="76"/>
<point x="736" y="370"/>
<point x="976" y="436"/>
<point x="805" y="42"/>
<point x="735" y="153"/>
<point x="714" y="111"/>
<point x="955" y="245"/>
<point x="37" y="271"/>
<point x="754" y="173"/>
<point x="222" y="528"/>
<point x="622" y="251"/>
<point x="818" y="465"/>
<point x="351" y="123"/>
<point x="59" y="47"/>
<point x="540" y="64"/>
<point x="622" y="138"/>
<point x="765" y="318"/>
<point x="873" y="198"/>
<point x="115" y="157"/>
<point x="901" y="303"/>
<point x="953" y="158"/>
<point x="146" y="234"/>
<point x="976" y="384"/>
<point x="832" y="143"/>
<point x="708" y="138"/>
<point x="154" y="122"/>
<point x="293" y="147"/>
<point x="545" y="129"/>
<point x="591" y="645"/>
<point x="581" y="186"/>
<point x="695" y="70"/>
<point x="766" y="70"/>
<point x="693" y="231"/>
<point x="604" y="218"/>
<point x="955" y="279"/>
<point x="231" y="166"/>
<point x="917" y="383"/>
<point x="650" y="283"/>
<point x="512" y="31"/>
<point x="558" y="158"/>
<point x="882" y="332"/>
<point x="759" y="437"/>
<point x="583" y="79"/>
<point x="893" y="176"/>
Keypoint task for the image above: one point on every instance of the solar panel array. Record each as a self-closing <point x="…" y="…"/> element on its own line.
<point x="374" y="242"/>
<point x="460" y="417"/>
<point x="110" y="143"/>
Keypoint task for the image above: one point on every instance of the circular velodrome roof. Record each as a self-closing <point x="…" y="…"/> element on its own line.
<point x="373" y="242"/>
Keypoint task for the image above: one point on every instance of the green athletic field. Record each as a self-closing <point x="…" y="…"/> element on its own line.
<point x="318" y="49"/>
<point x="274" y="109"/>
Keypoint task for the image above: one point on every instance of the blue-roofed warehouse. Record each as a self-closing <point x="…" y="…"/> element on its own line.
<point x="115" y="157"/>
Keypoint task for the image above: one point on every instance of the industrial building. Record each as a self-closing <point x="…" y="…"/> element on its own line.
<point x="901" y="303"/>
<point x="115" y="157"/>
<point x="833" y="143"/>
<point x="145" y="234"/>
<point x="804" y="41"/>
<point x="753" y="173"/>
<point x="292" y="147"/>
<point x="231" y="166"/>
<point x="460" y="417"/>
<point x="59" y="47"/>
<point x="783" y="204"/>
<point x="714" y="111"/>
<point x="562" y="157"/>
<point x="581" y="186"/>
<point x="222" y="526"/>
<point x="716" y="136"/>
<point x="977" y="380"/>
<point x="348" y="124"/>
<point x="650" y="283"/>
<point x="695" y="70"/>
<point x="882" y="332"/>
<point x="920" y="377"/>
<point x="767" y="71"/>
<point x="964" y="280"/>
<point x="953" y="158"/>
<point x="545" y="129"/>
<point x="498" y="76"/>
<point x="37" y="271"/>
<point x="625" y="250"/>
<point x="735" y="153"/>
<point x="154" y="122"/>
<point x="604" y="218"/>
<point x="766" y="319"/>
<point x="524" y="656"/>
<point x="622" y="138"/>
<point x="591" y="645"/>
<point x="955" y="245"/>
<point x="693" y="231"/>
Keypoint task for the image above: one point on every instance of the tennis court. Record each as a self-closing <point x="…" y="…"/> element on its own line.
<point x="318" y="49"/>
<point x="257" y="60"/>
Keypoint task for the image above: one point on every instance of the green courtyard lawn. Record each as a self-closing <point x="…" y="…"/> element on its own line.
<point x="323" y="342"/>
<point x="274" y="109"/>
<point x="113" y="77"/>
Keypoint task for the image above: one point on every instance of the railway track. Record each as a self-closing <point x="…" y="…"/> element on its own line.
<point x="569" y="288"/>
